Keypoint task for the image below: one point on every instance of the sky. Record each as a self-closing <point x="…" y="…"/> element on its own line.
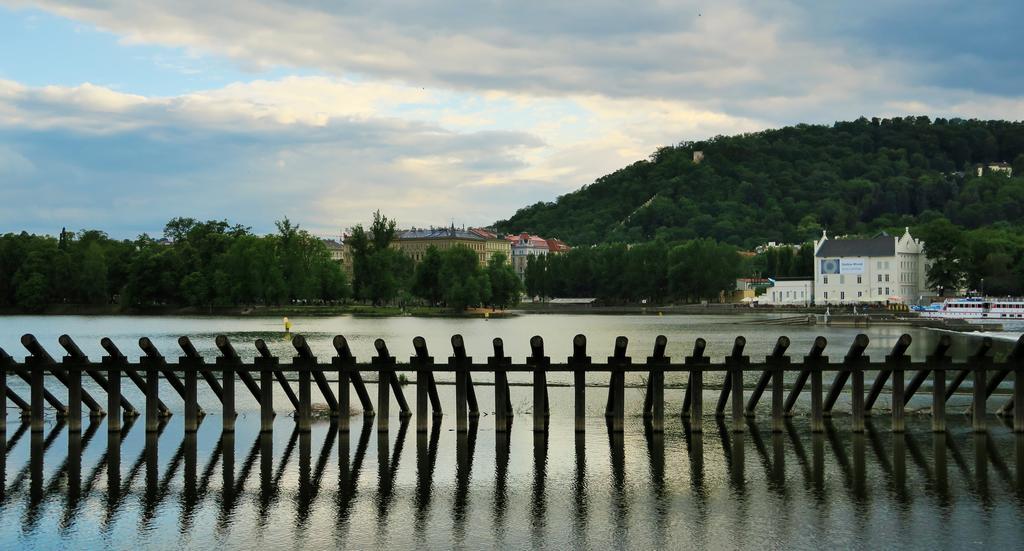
<point x="119" y="115"/>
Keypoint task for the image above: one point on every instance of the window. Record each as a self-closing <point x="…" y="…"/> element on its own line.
<point x="887" y="278"/>
<point x="879" y="278"/>
<point x="826" y="295"/>
<point x="879" y="291"/>
<point x="825" y="280"/>
<point x="842" y="295"/>
<point x="859" y="279"/>
<point x="859" y="294"/>
<point x="887" y="291"/>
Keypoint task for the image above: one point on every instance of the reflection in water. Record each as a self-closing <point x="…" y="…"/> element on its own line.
<point x="802" y="481"/>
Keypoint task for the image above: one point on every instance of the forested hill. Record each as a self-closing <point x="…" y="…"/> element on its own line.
<point x="787" y="184"/>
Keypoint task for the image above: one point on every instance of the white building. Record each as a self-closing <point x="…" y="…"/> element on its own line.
<point x="879" y="270"/>
<point x="794" y="291"/>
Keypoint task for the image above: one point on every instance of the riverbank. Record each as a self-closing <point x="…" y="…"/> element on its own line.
<point x="262" y="311"/>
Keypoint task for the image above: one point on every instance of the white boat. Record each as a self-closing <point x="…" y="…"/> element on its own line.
<point x="975" y="309"/>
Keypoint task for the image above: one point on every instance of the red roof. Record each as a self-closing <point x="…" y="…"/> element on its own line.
<point x="557" y="245"/>
<point x="484" y="233"/>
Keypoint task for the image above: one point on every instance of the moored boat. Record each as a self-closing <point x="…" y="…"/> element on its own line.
<point x="975" y="309"/>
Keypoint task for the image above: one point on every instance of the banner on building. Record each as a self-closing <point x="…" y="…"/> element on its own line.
<point x="842" y="266"/>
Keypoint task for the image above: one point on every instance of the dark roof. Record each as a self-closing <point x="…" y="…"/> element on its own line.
<point x="439" y="233"/>
<point x="877" y="246"/>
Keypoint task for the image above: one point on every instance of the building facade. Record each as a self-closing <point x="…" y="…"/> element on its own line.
<point x="795" y="291"/>
<point x="415" y="242"/>
<point x="524" y="246"/>
<point x="883" y="269"/>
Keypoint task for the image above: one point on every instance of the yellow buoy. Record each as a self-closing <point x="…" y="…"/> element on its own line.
<point x="287" y="325"/>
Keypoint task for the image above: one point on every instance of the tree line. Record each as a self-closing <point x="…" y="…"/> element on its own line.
<point x="218" y="264"/>
<point x="202" y="264"/>
<point x="657" y="272"/>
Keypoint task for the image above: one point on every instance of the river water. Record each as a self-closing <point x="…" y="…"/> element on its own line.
<point x="361" y="488"/>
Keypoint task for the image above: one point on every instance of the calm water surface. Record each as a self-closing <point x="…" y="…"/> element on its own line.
<point x="362" y="488"/>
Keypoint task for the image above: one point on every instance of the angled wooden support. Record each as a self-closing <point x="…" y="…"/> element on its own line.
<point x="897" y="355"/>
<point x="983" y="349"/>
<point x="423" y="363"/>
<point x="693" y="400"/>
<point x="305" y="363"/>
<point x="75" y="354"/>
<point x="117" y="363"/>
<point x="460" y="364"/>
<point x="1018" y="390"/>
<point x="266" y="355"/>
<point x="387" y="382"/>
<point x="37" y="391"/>
<point x="817" y="349"/>
<point x="158" y="360"/>
<point x="996" y="378"/>
<point x="347" y="362"/>
<point x="922" y="375"/>
<point x="539" y="363"/>
<point x="781" y="344"/>
<point x="500" y="363"/>
<point x="616" y="408"/>
<point x="656" y="363"/>
<point x="228" y="351"/>
<point x="72" y="383"/>
<point x="579" y="362"/>
<point x="348" y="374"/>
<point x="736" y="363"/>
<point x="856" y="350"/>
<point x="151" y="367"/>
<point x="6" y="365"/>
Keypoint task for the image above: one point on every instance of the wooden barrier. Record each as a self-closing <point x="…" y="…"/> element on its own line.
<point x="985" y="372"/>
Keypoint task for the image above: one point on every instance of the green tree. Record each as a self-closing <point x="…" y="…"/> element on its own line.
<point x="943" y="246"/>
<point x="427" y="279"/>
<point x="504" y="283"/>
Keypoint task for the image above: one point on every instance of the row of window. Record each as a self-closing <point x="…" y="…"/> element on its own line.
<point x="842" y="294"/>
<point x="860" y="279"/>
<point x="977" y="305"/>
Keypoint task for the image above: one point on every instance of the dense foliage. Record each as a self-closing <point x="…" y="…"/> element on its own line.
<point x="696" y="270"/>
<point x="786" y="185"/>
<point x="197" y="264"/>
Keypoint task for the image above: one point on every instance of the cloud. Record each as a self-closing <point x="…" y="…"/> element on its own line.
<point x="713" y="55"/>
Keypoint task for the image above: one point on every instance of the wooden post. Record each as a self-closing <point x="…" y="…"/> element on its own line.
<point x="737" y="362"/>
<point x="539" y="362"/>
<point x="35" y="369"/>
<point x="499" y="363"/>
<point x="979" y="365"/>
<point x="579" y="362"/>
<point x="939" y="396"/>
<point x="114" y="365"/>
<point x="151" y="367"/>
<point x="266" y="366"/>
<point x="191" y="363"/>
<point x="30" y="342"/>
<point x="345" y="363"/>
<point x="778" y="395"/>
<point x="810" y="361"/>
<point x="304" y="363"/>
<point x="1018" y="396"/>
<point x="74" y="376"/>
<point x="5" y="363"/>
<point x="460" y="364"/>
<point x="423" y="363"/>
<point x="617" y="383"/>
<point x="696" y="362"/>
<point x="815" y="362"/>
<point x="898" y="362"/>
<point x="855" y="361"/>
<point x="385" y="364"/>
<point x="656" y="386"/>
<point x="228" y="366"/>
<point x="961" y="376"/>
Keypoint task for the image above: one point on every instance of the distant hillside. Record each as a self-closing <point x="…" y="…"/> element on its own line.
<point x="786" y="184"/>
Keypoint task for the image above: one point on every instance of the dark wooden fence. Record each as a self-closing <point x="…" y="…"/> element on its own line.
<point x="258" y="378"/>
